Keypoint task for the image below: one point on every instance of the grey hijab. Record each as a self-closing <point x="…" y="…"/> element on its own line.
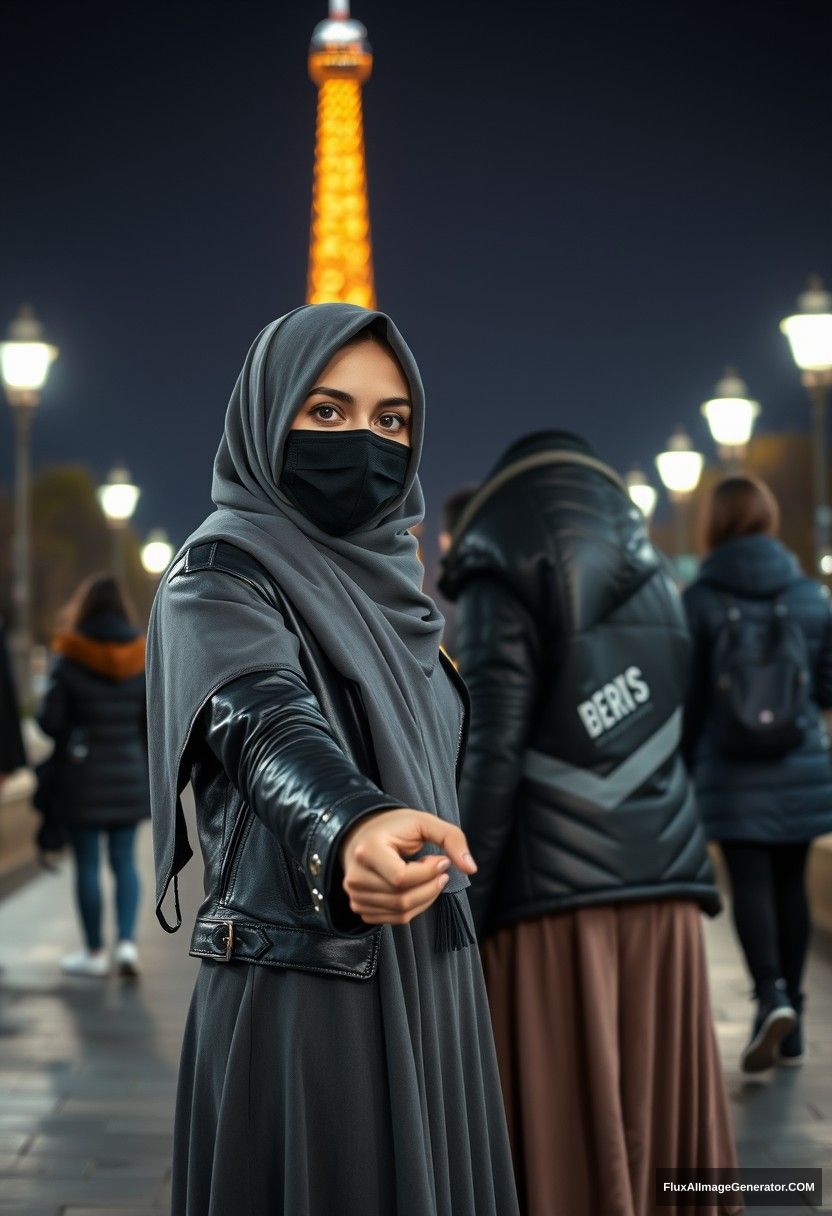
<point x="359" y="595"/>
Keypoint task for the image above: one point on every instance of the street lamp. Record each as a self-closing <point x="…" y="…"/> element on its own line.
<point x="118" y="497"/>
<point x="25" y="360"/>
<point x="810" y="336"/>
<point x="642" y="493"/>
<point x="731" y="415"/>
<point x="157" y="552"/>
<point x="680" y="468"/>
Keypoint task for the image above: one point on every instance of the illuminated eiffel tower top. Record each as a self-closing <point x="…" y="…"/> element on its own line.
<point x="340" y="248"/>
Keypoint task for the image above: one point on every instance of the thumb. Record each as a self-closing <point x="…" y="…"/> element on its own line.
<point x="450" y="839"/>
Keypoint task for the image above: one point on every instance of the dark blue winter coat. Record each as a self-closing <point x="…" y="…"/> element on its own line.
<point x="95" y="711"/>
<point x="788" y="799"/>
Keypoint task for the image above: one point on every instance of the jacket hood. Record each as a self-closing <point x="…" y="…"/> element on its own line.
<point x="109" y="627"/>
<point x="553" y="506"/>
<point x="117" y="658"/>
<point x="542" y="441"/>
<point x="754" y="566"/>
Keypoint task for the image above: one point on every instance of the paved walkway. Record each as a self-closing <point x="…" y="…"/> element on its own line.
<point x="87" y="1069"/>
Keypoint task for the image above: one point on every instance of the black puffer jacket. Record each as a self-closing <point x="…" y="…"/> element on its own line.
<point x="784" y="800"/>
<point x="94" y="709"/>
<point x="572" y="640"/>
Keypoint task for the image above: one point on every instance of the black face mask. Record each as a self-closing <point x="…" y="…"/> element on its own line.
<point x="341" y="482"/>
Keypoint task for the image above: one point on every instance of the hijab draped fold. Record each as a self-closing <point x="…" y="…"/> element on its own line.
<point x="359" y="595"/>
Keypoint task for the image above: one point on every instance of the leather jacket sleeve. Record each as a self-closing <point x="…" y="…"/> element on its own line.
<point x="497" y="651"/>
<point x="268" y="732"/>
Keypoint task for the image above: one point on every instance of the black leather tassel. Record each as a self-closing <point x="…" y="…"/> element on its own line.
<point x="452" y="931"/>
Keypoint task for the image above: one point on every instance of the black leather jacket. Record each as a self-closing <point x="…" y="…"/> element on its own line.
<point x="572" y="641"/>
<point x="281" y="768"/>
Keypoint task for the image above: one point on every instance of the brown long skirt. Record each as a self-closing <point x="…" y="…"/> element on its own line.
<point x="607" y="1055"/>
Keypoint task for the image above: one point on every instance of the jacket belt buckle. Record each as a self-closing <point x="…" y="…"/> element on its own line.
<point x="228" y="941"/>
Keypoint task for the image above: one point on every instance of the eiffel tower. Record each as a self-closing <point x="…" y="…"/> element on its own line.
<point x="340" y="249"/>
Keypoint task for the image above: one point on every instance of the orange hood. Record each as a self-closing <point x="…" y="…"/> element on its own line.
<point x="118" y="660"/>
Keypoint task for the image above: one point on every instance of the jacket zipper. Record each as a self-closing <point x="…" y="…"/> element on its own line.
<point x="232" y="851"/>
<point x="295" y="880"/>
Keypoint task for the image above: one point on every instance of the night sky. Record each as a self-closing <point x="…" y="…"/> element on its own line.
<point x="580" y="214"/>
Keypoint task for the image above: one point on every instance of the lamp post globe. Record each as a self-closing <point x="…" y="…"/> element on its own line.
<point x="157" y="552"/>
<point x="680" y="469"/>
<point x="809" y="330"/>
<point x="680" y="465"/>
<point x="642" y="493"/>
<point x="809" y="333"/>
<point x="25" y="360"/>
<point x="118" y="498"/>
<point x="730" y="415"/>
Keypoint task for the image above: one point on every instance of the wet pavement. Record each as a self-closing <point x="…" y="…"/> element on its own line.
<point x="88" y="1068"/>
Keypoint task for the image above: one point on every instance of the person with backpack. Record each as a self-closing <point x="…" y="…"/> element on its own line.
<point x="761" y="674"/>
<point x="592" y="865"/>
<point x="95" y="784"/>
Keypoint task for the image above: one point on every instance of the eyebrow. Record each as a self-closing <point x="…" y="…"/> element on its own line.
<point x="348" y="399"/>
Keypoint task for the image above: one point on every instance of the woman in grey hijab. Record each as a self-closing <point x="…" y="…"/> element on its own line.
<point x="338" y="1054"/>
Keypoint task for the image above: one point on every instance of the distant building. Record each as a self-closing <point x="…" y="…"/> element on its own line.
<point x="784" y="460"/>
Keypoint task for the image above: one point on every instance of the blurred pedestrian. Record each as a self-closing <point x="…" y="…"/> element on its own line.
<point x="592" y="862"/>
<point x="338" y="1056"/>
<point x="97" y="779"/>
<point x="761" y="674"/>
<point x="452" y="510"/>
<point x="12" y="754"/>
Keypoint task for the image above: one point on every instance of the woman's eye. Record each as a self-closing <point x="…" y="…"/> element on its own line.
<point x="391" y="422"/>
<point x="325" y="413"/>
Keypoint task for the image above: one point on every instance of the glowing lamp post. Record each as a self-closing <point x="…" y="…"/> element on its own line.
<point x="810" y="337"/>
<point x="810" y="331"/>
<point x="118" y="498"/>
<point x="680" y="468"/>
<point x="642" y="493"/>
<point x="157" y="552"/>
<point x="730" y="416"/>
<point x="25" y="360"/>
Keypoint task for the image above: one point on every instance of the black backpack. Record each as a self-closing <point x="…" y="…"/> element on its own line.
<point x="761" y="684"/>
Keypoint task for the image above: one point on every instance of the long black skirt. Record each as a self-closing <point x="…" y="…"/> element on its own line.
<point x="307" y="1095"/>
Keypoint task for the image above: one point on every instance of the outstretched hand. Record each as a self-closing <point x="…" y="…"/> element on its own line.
<point x="383" y="887"/>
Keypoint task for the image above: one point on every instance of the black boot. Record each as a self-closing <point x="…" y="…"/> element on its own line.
<point x="791" y="1048"/>
<point x="775" y="1020"/>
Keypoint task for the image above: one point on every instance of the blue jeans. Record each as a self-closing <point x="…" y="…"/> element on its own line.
<point x="86" y="844"/>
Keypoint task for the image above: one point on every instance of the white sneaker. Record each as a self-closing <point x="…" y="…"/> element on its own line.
<point x="126" y="958"/>
<point x="92" y="963"/>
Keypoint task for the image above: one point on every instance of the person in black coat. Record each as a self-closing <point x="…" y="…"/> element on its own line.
<point x="95" y="710"/>
<point x="763" y="812"/>
<point x="452" y="509"/>
<point x="12" y="754"/>
<point x="576" y="803"/>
